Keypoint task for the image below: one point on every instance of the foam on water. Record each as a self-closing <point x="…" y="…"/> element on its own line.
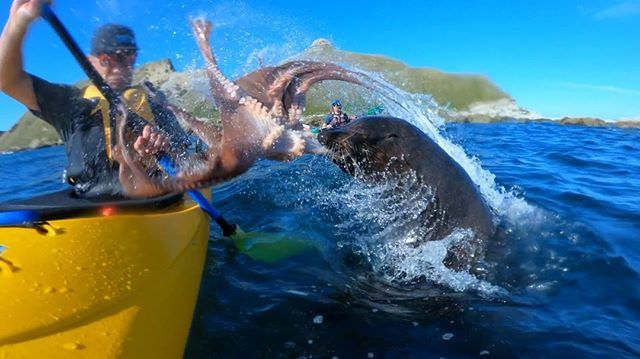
<point x="383" y="223"/>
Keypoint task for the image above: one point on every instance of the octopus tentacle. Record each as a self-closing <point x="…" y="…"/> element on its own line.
<point x="225" y="90"/>
<point x="135" y="180"/>
<point x="139" y="181"/>
<point x="272" y="85"/>
<point x="260" y="116"/>
<point x="209" y="133"/>
<point x="295" y="95"/>
<point x="291" y="70"/>
<point x="333" y="74"/>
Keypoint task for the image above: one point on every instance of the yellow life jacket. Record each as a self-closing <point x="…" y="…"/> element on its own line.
<point x="136" y="100"/>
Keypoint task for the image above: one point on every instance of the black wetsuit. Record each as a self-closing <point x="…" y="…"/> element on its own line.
<point x="89" y="170"/>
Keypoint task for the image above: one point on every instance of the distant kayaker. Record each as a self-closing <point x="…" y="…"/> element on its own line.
<point x="336" y="117"/>
<point x="81" y="116"/>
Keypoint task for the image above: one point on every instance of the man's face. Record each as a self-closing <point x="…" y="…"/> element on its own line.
<point x="337" y="108"/>
<point x="116" y="68"/>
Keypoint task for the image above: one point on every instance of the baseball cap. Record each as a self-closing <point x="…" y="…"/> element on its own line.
<point x="111" y="38"/>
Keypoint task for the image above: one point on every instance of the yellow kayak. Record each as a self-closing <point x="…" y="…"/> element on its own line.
<point x="113" y="282"/>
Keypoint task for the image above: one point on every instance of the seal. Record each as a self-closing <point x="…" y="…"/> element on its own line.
<point x="380" y="148"/>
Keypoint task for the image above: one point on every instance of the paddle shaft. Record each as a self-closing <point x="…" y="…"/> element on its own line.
<point x="108" y="93"/>
<point x="72" y="45"/>
<point x="228" y="229"/>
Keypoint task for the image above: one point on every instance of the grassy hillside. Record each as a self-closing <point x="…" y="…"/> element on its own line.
<point x="29" y="132"/>
<point x="456" y="90"/>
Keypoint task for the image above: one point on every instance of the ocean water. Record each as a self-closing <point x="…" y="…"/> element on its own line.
<point x="560" y="279"/>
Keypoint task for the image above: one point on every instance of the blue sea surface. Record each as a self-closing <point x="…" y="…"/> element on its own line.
<point x="560" y="279"/>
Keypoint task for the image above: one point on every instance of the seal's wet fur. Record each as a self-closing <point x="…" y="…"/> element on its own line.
<point x="380" y="148"/>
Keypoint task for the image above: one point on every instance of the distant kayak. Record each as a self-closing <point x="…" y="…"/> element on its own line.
<point x="373" y="111"/>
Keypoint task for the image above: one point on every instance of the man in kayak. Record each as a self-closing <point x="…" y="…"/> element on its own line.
<point x="81" y="116"/>
<point x="336" y="117"/>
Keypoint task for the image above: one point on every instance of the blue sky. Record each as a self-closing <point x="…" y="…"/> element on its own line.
<point x="578" y="58"/>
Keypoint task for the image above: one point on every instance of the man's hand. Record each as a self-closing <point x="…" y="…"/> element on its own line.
<point x="136" y="177"/>
<point x="150" y="143"/>
<point x="24" y="12"/>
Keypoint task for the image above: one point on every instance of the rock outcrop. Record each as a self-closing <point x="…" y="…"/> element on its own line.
<point x="628" y="124"/>
<point x="584" y="121"/>
<point x="29" y="132"/>
<point x="503" y="108"/>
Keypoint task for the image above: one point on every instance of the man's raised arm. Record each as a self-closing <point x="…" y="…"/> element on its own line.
<point x="14" y="81"/>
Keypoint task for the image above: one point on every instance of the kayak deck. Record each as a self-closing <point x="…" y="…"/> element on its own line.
<point x="116" y="285"/>
<point x="66" y="204"/>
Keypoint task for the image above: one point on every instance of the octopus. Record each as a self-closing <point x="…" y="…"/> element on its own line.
<point x="260" y="115"/>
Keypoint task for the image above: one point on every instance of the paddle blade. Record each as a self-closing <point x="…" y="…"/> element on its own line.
<point x="268" y="247"/>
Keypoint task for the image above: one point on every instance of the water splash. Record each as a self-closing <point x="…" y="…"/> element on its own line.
<point x="386" y="225"/>
<point x="397" y="243"/>
<point x="423" y="112"/>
